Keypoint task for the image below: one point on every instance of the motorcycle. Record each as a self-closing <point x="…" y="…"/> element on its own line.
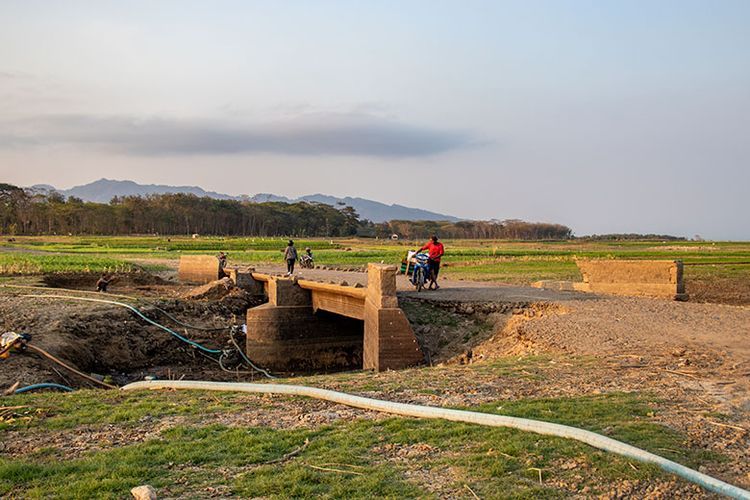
<point x="421" y="271"/>
<point x="306" y="262"/>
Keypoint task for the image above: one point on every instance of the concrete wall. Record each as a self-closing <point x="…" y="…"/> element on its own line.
<point x="198" y="269"/>
<point x="651" y="278"/>
<point x="294" y="339"/>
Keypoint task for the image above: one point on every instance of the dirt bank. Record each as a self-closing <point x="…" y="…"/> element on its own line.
<point x="112" y="341"/>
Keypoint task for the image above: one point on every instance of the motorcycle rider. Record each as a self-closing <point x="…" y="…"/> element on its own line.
<point x="307" y="257"/>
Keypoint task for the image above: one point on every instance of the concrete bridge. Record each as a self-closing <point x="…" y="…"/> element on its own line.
<point x="308" y="325"/>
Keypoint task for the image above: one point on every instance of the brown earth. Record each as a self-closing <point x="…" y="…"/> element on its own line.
<point x="693" y="357"/>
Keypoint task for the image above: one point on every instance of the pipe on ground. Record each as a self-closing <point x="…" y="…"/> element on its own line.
<point x="472" y="417"/>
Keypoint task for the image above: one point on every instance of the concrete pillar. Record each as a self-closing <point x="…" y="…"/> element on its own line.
<point x="293" y="338"/>
<point x="243" y="278"/>
<point x="389" y="341"/>
<point x="285" y="292"/>
<point x="287" y="335"/>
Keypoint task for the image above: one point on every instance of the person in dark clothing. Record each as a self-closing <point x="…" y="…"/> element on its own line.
<point x="103" y="283"/>
<point x="435" y="251"/>
<point x="290" y="255"/>
<point x="222" y="264"/>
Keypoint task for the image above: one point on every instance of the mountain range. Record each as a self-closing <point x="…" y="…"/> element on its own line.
<point x="103" y="190"/>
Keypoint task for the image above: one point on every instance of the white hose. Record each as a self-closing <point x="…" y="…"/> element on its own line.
<point x="411" y="410"/>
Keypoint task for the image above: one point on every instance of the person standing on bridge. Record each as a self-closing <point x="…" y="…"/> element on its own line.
<point x="435" y="251"/>
<point x="290" y="255"/>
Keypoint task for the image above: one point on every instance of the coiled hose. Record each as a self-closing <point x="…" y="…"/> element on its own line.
<point x="136" y="311"/>
<point x="411" y="410"/>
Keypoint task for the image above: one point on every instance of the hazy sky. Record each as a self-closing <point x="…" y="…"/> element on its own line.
<point x="630" y="116"/>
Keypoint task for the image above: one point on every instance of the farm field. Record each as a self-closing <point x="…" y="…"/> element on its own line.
<point x="714" y="271"/>
<point x="672" y="378"/>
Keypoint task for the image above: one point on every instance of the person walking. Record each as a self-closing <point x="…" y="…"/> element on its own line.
<point x="290" y="255"/>
<point x="435" y="251"/>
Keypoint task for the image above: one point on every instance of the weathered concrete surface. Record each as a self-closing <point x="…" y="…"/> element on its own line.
<point x="639" y="278"/>
<point x="310" y="325"/>
<point x="345" y="300"/>
<point x="198" y="269"/>
<point x="285" y="292"/>
<point x="243" y="278"/>
<point x="344" y="305"/>
<point x="389" y="342"/>
<point x="294" y="338"/>
<point x="649" y="278"/>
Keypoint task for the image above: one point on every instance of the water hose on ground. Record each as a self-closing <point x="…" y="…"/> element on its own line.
<point x="137" y="312"/>
<point x="34" y="387"/>
<point x="168" y="330"/>
<point x="49" y="356"/>
<point x="246" y="359"/>
<point x="411" y="410"/>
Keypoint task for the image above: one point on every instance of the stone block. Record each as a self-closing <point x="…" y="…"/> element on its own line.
<point x="381" y="285"/>
<point x="650" y="278"/>
<point x="285" y="292"/>
<point x="198" y="269"/>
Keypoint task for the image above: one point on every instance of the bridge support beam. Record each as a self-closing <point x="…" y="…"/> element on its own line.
<point x="287" y="335"/>
<point x="389" y="342"/>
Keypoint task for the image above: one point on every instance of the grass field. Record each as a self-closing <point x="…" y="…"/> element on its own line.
<point x="346" y="459"/>
<point x="478" y="259"/>
<point x="713" y="268"/>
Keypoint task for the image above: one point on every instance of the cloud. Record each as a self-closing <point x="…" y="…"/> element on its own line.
<point x="314" y="134"/>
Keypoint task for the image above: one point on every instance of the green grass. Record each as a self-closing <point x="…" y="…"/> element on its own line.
<point x="187" y="459"/>
<point x="21" y="264"/>
<point x="519" y="262"/>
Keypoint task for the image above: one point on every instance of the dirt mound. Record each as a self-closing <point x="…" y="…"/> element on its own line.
<point x="215" y="290"/>
<point x="87" y="280"/>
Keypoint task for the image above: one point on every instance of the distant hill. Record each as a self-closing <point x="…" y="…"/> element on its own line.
<point x="103" y="190"/>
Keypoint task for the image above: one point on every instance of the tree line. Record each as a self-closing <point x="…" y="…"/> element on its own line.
<point x="32" y="212"/>
<point x="507" y="229"/>
<point x="26" y="212"/>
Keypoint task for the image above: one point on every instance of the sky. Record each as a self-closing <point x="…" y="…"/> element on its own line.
<point x="607" y="116"/>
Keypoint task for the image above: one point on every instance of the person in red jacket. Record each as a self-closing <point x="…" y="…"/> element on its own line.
<point x="435" y="251"/>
